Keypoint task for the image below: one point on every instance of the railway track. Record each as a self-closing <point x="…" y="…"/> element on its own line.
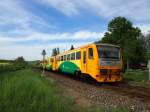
<point x="107" y="95"/>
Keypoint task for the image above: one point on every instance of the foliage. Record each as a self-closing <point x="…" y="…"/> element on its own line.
<point x="147" y="41"/>
<point x="136" y="75"/>
<point x="35" y="63"/>
<point x="55" y="51"/>
<point x="10" y="67"/>
<point x="121" y="32"/>
<point x="20" y="61"/>
<point x="27" y="91"/>
<point x="72" y="47"/>
<point x="5" y="61"/>
<point x="13" y="65"/>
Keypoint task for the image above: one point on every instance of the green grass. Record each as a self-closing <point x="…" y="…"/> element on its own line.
<point x="136" y="75"/>
<point x="9" y="67"/>
<point x="4" y="63"/>
<point x="26" y="91"/>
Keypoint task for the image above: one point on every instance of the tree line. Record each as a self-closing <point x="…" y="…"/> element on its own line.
<point x="135" y="45"/>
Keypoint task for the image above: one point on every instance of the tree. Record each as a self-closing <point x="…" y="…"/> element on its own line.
<point x="72" y="47"/>
<point x="147" y="39"/>
<point x="55" y="51"/>
<point x="121" y="32"/>
<point x="58" y="51"/>
<point x="20" y="61"/>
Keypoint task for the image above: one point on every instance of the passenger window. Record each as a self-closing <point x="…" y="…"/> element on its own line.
<point x="64" y="57"/>
<point x="90" y="54"/>
<point x="61" y="58"/>
<point x="73" y="56"/>
<point x="84" y="57"/>
<point x="51" y="60"/>
<point x="57" y="59"/>
<point x="68" y="57"/>
<point x="78" y="55"/>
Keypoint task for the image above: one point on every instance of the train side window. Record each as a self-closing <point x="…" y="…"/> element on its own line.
<point x="84" y="57"/>
<point x="78" y="55"/>
<point x="68" y="57"/>
<point x="51" y="60"/>
<point x="73" y="56"/>
<point x="64" y="57"/>
<point x="61" y="58"/>
<point x="90" y="54"/>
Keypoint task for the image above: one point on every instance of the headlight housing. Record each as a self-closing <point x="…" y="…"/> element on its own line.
<point x="109" y="63"/>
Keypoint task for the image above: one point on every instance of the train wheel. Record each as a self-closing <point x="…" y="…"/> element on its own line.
<point x="77" y="73"/>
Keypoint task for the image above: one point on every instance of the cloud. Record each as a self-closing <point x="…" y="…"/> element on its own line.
<point x="67" y="7"/>
<point x="13" y="14"/>
<point x="49" y="41"/>
<point x="79" y="35"/>
<point x="135" y="9"/>
<point x="33" y="52"/>
<point x="19" y="34"/>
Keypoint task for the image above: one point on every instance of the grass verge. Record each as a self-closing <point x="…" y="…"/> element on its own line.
<point x="136" y="75"/>
<point x="26" y="91"/>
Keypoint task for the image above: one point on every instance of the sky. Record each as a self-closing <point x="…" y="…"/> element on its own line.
<point x="29" y="26"/>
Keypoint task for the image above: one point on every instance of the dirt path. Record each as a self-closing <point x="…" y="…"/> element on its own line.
<point x="88" y="93"/>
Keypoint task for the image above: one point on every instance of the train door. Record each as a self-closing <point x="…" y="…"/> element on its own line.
<point x="84" y="60"/>
<point x="91" y="60"/>
<point x="54" y="63"/>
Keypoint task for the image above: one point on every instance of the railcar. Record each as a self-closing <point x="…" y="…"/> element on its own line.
<point x="103" y="62"/>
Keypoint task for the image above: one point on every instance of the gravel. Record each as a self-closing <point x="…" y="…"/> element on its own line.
<point x="105" y="95"/>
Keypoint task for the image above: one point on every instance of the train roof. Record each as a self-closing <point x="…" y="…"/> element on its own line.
<point x="104" y="44"/>
<point x="100" y="44"/>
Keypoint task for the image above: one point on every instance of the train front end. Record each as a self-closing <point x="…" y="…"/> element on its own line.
<point x="110" y="63"/>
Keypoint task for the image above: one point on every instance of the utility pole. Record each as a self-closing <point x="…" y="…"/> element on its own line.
<point x="43" y="54"/>
<point x="148" y="66"/>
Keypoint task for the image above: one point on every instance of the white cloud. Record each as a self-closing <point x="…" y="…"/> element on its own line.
<point x="79" y="35"/>
<point x="67" y="7"/>
<point x="32" y="52"/>
<point x="13" y="13"/>
<point x="135" y="9"/>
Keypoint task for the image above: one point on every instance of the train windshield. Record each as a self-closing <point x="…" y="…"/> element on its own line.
<point x="108" y="52"/>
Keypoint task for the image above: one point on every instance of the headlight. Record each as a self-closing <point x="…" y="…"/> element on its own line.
<point x="103" y="71"/>
<point x="103" y="63"/>
<point x="109" y="63"/>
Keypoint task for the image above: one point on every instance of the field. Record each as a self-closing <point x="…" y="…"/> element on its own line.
<point x="25" y="90"/>
<point x="136" y="75"/>
<point x="4" y="63"/>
